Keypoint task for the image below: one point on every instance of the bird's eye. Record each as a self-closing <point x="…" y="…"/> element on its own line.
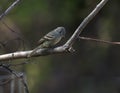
<point x="60" y="32"/>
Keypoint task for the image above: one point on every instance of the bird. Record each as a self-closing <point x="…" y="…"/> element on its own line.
<point x="50" y="39"/>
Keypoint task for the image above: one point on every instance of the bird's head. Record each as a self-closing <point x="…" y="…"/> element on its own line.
<point x="61" y="31"/>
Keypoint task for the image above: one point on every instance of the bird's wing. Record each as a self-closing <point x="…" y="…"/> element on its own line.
<point x="41" y="41"/>
<point x="46" y="38"/>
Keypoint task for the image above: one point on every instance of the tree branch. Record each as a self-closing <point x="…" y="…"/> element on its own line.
<point x="9" y="9"/>
<point x="98" y="40"/>
<point x="40" y="52"/>
<point x="62" y="49"/>
<point x="80" y="28"/>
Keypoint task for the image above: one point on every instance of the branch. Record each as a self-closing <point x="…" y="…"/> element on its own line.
<point x="9" y="9"/>
<point x="101" y="41"/>
<point x="40" y="52"/>
<point x="44" y="52"/>
<point x="80" y="28"/>
<point x="62" y="49"/>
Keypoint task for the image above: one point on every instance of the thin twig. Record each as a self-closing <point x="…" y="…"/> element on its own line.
<point x="80" y="28"/>
<point x="4" y="14"/>
<point x="16" y="74"/>
<point x="98" y="40"/>
<point x="9" y="9"/>
<point x="23" y="80"/>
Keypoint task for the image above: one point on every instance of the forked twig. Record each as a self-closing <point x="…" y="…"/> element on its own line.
<point x="80" y="28"/>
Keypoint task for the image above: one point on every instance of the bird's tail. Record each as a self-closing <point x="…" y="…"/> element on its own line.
<point x="34" y="51"/>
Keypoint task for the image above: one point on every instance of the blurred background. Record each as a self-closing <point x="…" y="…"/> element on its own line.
<point x="93" y="68"/>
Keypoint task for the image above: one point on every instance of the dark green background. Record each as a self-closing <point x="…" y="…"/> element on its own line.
<point x="93" y="68"/>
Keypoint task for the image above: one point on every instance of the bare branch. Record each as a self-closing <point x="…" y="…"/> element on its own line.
<point x="101" y="41"/>
<point x="24" y="54"/>
<point x="62" y="49"/>
<point x="9" y="9"/>
<point x="80" y="28"/>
